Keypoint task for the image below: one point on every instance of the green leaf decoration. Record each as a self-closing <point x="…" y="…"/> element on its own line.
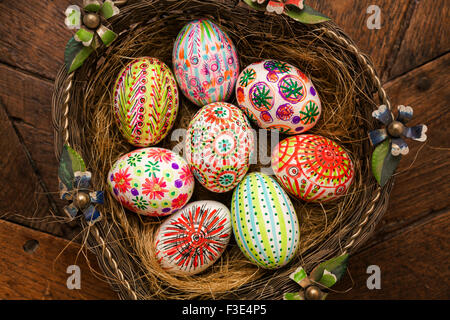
<point x="84" y="36"/>
<point x="109" y="10"/>
<point x="308" y="15"/>
<point x="92" y="5"/>
<point x="70" y="163"/>
<point x="328" y="279"/>
<point x="256" y="6"/>
<point x="293" y="296"/>
<point x="384" y="163"/>
<point x="75" y="54"/>
<point x="298" y="275"/>
<point x="73" y="17"/>
<point x="329" y="272"/>
<point x="77" y="161"/>
<point x="106" y="35"/>
<point x="65" y="172"/>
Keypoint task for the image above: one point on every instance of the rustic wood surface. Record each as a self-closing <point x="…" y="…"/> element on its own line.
<point x="411" y="244"/>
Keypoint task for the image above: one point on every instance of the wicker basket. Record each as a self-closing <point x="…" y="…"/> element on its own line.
<point x="118" y="261"/>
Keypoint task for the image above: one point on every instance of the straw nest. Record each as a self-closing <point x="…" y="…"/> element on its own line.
<point x="123" y="241"/>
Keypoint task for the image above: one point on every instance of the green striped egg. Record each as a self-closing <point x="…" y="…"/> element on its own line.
<point x="264" y="221"/>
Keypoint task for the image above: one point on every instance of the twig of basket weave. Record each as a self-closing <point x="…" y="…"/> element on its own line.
<point x="66" y="109"/>
<point x="362" y="59"/>
<point x="363" y="223"/>
<point x="384" y="98"/>
<point x="113" y="262"/>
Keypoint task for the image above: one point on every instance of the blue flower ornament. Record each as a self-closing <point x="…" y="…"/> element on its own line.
<point x="75" y="186"/>
<point x="390" y="141"/>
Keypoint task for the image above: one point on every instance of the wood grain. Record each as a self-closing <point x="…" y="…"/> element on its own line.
<point x="27" y="100"/>
<point x="33" y="37"/>
<point x="42" y="274"/>
<point x="352" y="17"/>
<point x="413" y="264"/>
<point x="426" y="37"/>
<point x="22" y="197"/>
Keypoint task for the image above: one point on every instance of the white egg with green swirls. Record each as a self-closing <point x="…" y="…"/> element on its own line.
<point x="264" y="221"/>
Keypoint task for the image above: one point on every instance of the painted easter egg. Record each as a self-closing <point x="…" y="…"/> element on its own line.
<point x="277" y="95"/>
<point x="194" y="238"/>
<point x="151" y="181"/>
<point x="145" y="101"/>
<point x="313" y="168"/>
<point x="219" y="146"/>
<point x="205" y="62"/>
<point x="264" y="221"/>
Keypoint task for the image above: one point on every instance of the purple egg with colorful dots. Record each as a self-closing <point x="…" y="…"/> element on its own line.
<point x="151" y="181"/>
<point x="205" y="62"/>
<point x="277" y="95"/>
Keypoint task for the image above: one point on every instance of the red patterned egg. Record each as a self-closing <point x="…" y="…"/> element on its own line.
<point x="194" y="238"/>
<point x="145" y="101"/>
<point x="219" y="146"/>
<point x="205" y="62"/>
<point x="313" y="168"/>
<point x="277" y="95"/>
<point x="151" y="181"/>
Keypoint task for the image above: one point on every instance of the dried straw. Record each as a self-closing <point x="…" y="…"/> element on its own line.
<point x="346" y="84"/>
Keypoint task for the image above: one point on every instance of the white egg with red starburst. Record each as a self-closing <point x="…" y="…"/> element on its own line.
<point x="194" y="238"/>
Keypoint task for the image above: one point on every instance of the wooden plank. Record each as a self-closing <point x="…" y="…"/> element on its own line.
<point x="413" y="265"/>
<point x="40" y="145"/>
<point x="28" y="102"/>
<point x="352" y="17"/>
<point x="22" y="199"/>
<point x="27" y="98"/>
<point x="426" y="37"/>
<point x="33" y="34"/>
<point x="42" y="274"/>
<point x="422" y="182"/>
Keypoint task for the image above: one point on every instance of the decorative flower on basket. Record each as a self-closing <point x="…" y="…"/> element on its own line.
<point x="91" y="30"/>
<point x="75" y="186"/>
<point x="295" y="9"/>
<point x="324" y="276"/>
<point x="389" y="141"/>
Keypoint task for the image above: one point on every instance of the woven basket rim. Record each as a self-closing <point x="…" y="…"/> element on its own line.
<point x="120" y="277"/>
